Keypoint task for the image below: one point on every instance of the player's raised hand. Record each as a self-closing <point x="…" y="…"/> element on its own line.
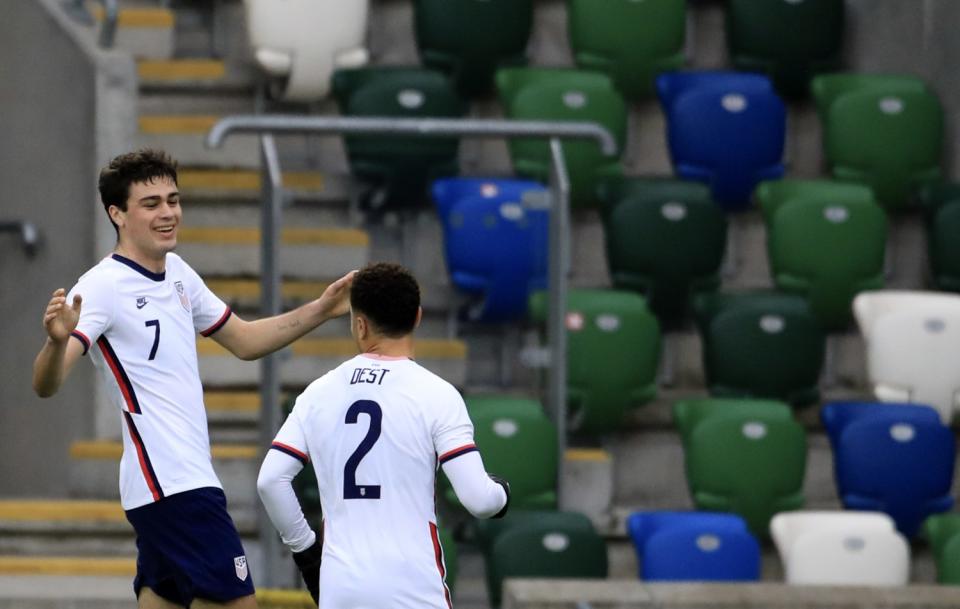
<point x="60" y="319"/>
<point x="335" y="300"/>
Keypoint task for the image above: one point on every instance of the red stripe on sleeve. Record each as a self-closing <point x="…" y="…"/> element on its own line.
<point x="218" y="324"/>
<point x="456" y="452"/>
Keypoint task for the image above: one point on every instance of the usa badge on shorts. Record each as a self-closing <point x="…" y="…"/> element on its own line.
<point x="184" y="301"/>
<point x="240" y="565"/>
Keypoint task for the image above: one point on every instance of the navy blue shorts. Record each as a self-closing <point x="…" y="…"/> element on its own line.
<point x="188" y="547"/>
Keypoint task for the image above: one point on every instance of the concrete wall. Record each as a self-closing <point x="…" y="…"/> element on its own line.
<point x="51" y="103"/>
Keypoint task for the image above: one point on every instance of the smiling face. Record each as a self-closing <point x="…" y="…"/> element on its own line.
<point x="148" y="228"/>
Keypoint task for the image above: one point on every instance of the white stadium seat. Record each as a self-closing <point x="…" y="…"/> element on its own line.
<point x="913" y="346"/>
<point x="841" y="548"/>
<point x="304" y="41"/>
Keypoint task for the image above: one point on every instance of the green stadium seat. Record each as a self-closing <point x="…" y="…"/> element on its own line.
<point x="941" y="203"/>
<point x="613" y="346"/>
<point x="772" y="194"/>
<point x="943" y="533"/>
<point x="747" y="458"/>
<point x="762" y="345"/>
<point x="629" y="40"/>
<point x="400" y="166"/>
<point x="787" y="40"/>
<point x="470" y="40"/>
<point x="518" y="442"/>
<point x="564" y="95"/>
<point x="557" y="547"/>
<point x="828" y="88"/>
<point x="828" y="250"/>
<point x="665" y="238"/>
<point x="888" y="138"/>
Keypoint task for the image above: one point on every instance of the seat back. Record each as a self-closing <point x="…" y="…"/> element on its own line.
<point x="665" y="239"/>
<point x="943" y="533"/>
<point x="564" y="95"/>
<point x="828" y="251"/>
<point x="728" y="136"/>
<point x="761" y="344"/>
<point x="304" y="41"/>
<point x="631" y="41"/>
<point x="672" y="85"/>
<point x="689" y="413"/>
<point x="469" y="40"/>
<point x="840" y="549"/>
<point x="773" y="194"/>
<point x="828" y="88"/>
<point x="789" y="41"/>
<point x="448" y="191"/>
<point x="836" y="416"/>
<point x="943" y="223"/>
<point x="545" y="550"/>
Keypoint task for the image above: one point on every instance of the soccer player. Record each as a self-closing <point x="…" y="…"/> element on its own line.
<point x="137" y="313"/>
<point x="375" y="430"/>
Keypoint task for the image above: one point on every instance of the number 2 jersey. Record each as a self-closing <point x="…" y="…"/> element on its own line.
<point x="140" y="328"/>
<point x="375" y="430"/>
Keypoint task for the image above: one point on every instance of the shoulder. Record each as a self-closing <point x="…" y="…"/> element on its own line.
<point x="436" y="389"/>
<point x="327" y="385"/>
<point x="101" y="276"/>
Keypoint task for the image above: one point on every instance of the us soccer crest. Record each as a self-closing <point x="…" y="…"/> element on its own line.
<point x="240" y="565"/>
<point x="184" y="301"/>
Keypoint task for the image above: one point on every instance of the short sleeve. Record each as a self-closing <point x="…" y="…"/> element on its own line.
<point x="96" y="310"/>
<point x="291" y="439"/>
<point x="209" y="312"/>
<point x="452" y="430"/>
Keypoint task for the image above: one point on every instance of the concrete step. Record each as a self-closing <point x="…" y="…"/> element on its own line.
<point x="182" y="135"/>
<point x="68" y="565"/>
<point x="146" y="32"/>
<point x="245" y="184"/>
<point x="307" y="253"/>
<point x="203" y="75"/>
<point x="305" y="360"/>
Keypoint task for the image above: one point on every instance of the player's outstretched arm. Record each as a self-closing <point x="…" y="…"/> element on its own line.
<point x="251" y="340"/>
<point x="483" y="495"/>
<point x="59" y="353"/>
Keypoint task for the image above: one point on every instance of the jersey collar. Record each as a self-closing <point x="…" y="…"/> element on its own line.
<point x="143" y="271"/>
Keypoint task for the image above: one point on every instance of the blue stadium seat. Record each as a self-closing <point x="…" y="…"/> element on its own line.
<point x="725" y="130"/>
<point x="694" y="546"/>
<point x="898" y="460"/>
<point x="495" y="235"/>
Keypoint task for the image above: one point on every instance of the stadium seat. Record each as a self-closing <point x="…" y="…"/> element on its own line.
<point x="942" y="205"/>
<point x="828" y="88"/>
<point x="613" y="346"/>
<point x="631" y="41"/>
<point x="690" y="412"/>
<point x="725" y="130"/>
<point x="942" y="531"/>
<point x="545" y="549"/>
<point x="827" y="250"/>
<point x="841" y="549"/>
<point x="913" y="346"/>
<point x="495" y="242"/>
<point x="749" y="460"/>
<point x="773" y="194"/>
<point x="894" y="459"/>
<point x="665" y="238"/>
<point x="887" y="137"/>
<point x="470" y="40"/>
<point x="787" y="40"/>
<point x="693" y="546"/>
<point x="564" y="95"/>
<point x="401" y="166"/>
<point x="302" y="42"/>
<point x="760" y="344"/>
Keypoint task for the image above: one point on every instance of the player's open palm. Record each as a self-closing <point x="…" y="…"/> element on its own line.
<point x="60" y="318"/>
<point x="335" y="300"/>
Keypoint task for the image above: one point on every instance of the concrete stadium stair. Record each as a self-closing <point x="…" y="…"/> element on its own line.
<point x="145" y="31"/>
<point x="183" y="137"/>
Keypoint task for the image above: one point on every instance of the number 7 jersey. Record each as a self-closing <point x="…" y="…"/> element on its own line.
<point x="375" y="431"/>
<point x="140" y="329"/>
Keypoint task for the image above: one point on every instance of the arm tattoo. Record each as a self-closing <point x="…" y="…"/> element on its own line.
<point x="294" y="323"/>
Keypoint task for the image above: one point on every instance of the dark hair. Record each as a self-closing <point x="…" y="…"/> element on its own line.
<point x="142" y="166"/>
<point x="389" y="296"/>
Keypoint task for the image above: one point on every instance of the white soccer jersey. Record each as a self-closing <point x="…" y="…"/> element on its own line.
<point x="141" y="328"/>
<point x="375" y="430"/>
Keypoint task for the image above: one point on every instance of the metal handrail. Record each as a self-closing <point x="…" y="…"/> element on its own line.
<point x="26" y="230"/>
<point x="268" y="125"/>
<point x="111" y="12"/>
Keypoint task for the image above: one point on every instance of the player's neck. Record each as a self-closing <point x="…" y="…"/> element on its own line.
<point x="389" y="347"/>
<point x="151" y="263"/>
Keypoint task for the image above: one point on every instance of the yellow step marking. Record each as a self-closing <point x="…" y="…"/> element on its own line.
<point x="177" y="124"/>
<point x="108" y="449"/>
<point x="345" y="348"/>
<point x="154" y="17"/>
<point x="586" y="454"/>
<point x="32" y="510"/>
<point x="235" y="289"/>
<point x="181" y="69"/>
<point x="274" y="598"/>
<point x="62" y="565"/>
<point x="232" y="401"/>
<point x="245" y="180"/>
<point x="242" y="235"/>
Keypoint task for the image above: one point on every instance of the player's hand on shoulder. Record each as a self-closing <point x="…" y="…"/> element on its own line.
<point x="60" y="318"/>
<point x="335" y="300"/>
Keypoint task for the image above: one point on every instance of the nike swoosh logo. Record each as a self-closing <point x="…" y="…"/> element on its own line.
<point x="140" y="306"/>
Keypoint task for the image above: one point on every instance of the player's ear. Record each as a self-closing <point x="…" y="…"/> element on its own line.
<point x="416" y="324"/>
<point x="116" y="214"/>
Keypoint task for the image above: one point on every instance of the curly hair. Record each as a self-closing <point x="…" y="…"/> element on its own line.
<point x="388" y="295"/>
<point x="141" y="166"/>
